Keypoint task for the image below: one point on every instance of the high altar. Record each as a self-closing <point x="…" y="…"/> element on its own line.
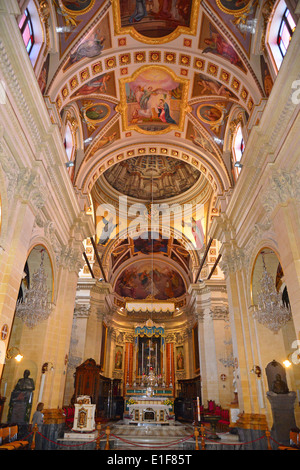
<point x="149" y="399"/>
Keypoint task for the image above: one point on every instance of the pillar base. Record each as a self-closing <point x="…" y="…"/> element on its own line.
<point x="283" y="416"/>
<point x="52" y="429"/>
<point x="251" y="428"/>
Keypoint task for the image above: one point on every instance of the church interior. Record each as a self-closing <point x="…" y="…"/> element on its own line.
<point x="150" y="224"/>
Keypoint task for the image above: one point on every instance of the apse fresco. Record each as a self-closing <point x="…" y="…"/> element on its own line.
<point x="150" y="280"/>
<point x="153" y="100"/>
<point x="211" y="41"/>
<point x="155" y="18"/>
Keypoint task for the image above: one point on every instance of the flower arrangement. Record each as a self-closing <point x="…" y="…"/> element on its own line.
<point x="131" y="401"/>
<point x="168" y="402"/>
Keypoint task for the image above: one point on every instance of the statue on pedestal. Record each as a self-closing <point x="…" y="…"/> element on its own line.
<point x="279" y="386"/>
<point x="21" y="400"/>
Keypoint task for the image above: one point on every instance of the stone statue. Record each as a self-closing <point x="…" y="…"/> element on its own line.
<point x="26" y="383"/>
<point x="279" y="386"/>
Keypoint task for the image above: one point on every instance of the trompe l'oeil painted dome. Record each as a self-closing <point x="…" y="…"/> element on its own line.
<point x="152" y="175"/>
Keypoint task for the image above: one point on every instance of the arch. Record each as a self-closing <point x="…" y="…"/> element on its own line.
<point x="33" y="259"/>
<point x="213" y="171"/>
<point x="273" y="30"/>
<point x="38" y="31"/>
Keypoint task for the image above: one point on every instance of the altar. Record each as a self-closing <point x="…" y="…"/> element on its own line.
<point x="145" y="410"/>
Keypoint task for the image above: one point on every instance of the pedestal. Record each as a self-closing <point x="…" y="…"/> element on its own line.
<point x="283" y="415"/>
<point x="20" y="407"/>
<point x="84" y="418"/>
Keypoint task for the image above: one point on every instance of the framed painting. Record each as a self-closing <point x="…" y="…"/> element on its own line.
<point x="234" y="7"/>
<point x="153" y="100"/>
<point x="155" y="21"/>
<point x="118" y="358"/>
<point x="179" y="358"/>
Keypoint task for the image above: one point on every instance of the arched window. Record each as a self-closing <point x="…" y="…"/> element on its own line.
<point x="26" y="29"/>
<point x="238" y="147"/>
<point x="279" y="33"/>
<point x="68" y="142"/>
<point x="286" y="29"/>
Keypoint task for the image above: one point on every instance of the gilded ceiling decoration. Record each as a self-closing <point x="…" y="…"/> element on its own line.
<point x="154" y="87"/>
<point x="152" y="177"/>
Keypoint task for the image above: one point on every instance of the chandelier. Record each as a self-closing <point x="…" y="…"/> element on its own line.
<point x="270" y="310"/>
<point x="35" y="306"/>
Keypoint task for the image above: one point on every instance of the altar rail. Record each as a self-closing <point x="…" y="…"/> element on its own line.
<point x="199" y="437"/>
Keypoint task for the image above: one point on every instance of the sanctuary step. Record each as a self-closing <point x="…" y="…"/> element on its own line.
<point x="147" y="436"/>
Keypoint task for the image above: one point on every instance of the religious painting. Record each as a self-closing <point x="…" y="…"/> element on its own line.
<point x="104" y="141"/>
<point x="198" y="138"/>
<point x="43" y="78"/>
<point x="155" y="21"/>
<point x="153" y="243"/>
<point x="153" y="100"/>
<point x="150" y="280"/>
<point x="212" y="115"/>
<point x="179" y="358"/>
<point x="206" y="86"/>
<point x="119" y="358"/>
<point x="103" y="84"/>
<point x="93" y="44"/>
<point x="76" y="6"/>
<point x="234" y="6"/>
<point x="94" y="113"/>
<point x="211" y="41"/>
<point x="266" y="77"/>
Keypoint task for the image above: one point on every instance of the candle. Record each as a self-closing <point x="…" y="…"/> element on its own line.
<point x="198" y="408"/>
<point x="42" y="387"/>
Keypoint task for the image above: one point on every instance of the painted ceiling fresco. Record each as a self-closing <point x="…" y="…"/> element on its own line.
<point x="159" y="78"/>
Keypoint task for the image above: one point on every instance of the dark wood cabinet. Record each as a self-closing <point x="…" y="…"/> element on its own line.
<point x="104" y="392"/>
<point x="185" y="405"/>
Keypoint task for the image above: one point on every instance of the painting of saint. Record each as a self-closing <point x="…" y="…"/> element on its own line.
<point x="233" y="6"/>
<point x="77" y="6"/>
<point x="119" y="358"/>
<point x="92" y="45"/>
<point x="154" y="18"/>
<point x="208" y="86"/>
<point x="209" y="113"/>
<point x="179" y="358"/>
<point x="211" y="41"/>
<point x="100" y="84"/>
<point x="153" y="97"/>
<point x="108" y="226"/>
<point x="96" y="112"/>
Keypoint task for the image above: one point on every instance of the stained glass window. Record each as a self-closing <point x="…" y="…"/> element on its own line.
<point x="286" y="29"/>
<point x="26" y="29"/>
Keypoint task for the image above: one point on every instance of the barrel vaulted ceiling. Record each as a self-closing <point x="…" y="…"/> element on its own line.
<point x="156" y="79"/>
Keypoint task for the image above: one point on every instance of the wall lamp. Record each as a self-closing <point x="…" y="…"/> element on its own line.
<point x="47" y="366"/>
<point x="14" y="353"/>
<point x="256" y="370"/>
<point x="294" y="360"/>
